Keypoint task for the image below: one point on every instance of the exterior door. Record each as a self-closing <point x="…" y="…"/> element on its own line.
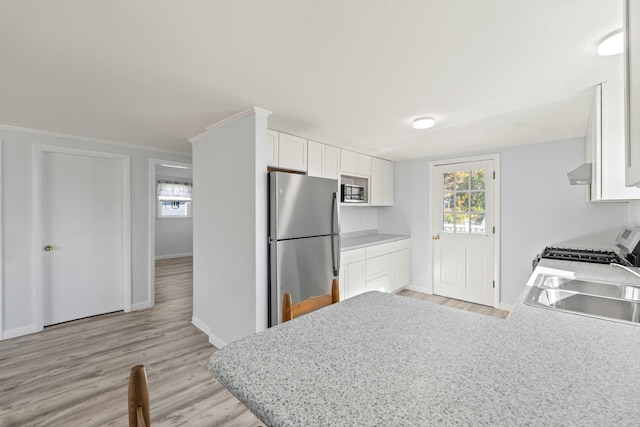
<point x="463" y="240"/>
<point x="81" y="229"/>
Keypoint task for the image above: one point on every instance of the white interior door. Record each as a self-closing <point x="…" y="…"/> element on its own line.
<point x="463" y="240"/>
<point x="81" y="227"/>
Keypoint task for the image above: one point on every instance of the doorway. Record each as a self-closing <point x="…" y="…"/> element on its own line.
<point x="464" y="214"/>
<point x="81" y="223"/>
<point x="170" y="220"/>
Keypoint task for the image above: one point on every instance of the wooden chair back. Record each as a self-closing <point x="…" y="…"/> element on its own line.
<point x="139" y="412"/>
<point x="290" y="311"/>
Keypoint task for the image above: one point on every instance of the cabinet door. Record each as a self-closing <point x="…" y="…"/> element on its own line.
<point x="354" y="277"/>
<point x="292" y="152"/>
<point x="399" y="270"/>
<point x="272" y="148"/>
<point x="363" y="164"/>
<point x="387" y="183"/>
<point x="612" y="148"/>
<point x="376" y="182"/>
<point x="331" y="162"/>
<point x="315" y="159"/>
<point x="348" y="162"/>
<point x="404" y="274"/>
<point x="632" y="83"/>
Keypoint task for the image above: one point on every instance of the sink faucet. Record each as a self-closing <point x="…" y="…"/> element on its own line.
<point x="635" y="273"/>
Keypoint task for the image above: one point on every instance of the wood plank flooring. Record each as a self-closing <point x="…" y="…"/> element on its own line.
<point x="76" y="373"/>
<point x="454" y="303"/>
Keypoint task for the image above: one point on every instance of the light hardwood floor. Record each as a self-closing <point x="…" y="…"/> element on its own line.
<point x="76" y="373"/>
<point x="454" y="303"/>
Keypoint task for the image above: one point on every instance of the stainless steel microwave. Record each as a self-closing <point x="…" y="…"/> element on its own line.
<point x="352" y="193"/>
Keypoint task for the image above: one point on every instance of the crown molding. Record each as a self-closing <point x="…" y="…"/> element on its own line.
<point x="230" y="119"/>
<point x="89" y="139"/>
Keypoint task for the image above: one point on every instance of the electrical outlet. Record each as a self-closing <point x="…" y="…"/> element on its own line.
<point x="420" y="218"/>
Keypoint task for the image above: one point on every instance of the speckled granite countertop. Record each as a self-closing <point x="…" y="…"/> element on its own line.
<point x="348" y="243"/>
<point x="387" y="360"/>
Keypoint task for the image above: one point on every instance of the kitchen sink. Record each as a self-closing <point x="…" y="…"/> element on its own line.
<point x="617" y="302"/>
<point x="610" y="290"/>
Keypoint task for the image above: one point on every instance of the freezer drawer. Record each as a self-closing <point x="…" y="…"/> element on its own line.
<point x="301" y="267"/>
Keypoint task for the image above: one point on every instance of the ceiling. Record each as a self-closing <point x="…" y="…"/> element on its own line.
<point x="355" y="73"/>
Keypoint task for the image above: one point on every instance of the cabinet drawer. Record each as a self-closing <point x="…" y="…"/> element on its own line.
<point x="379" y="284"/>
<point x="355" y="255"/>
<point x="376" y="267"/>
<point x="377" y="250"/>
<point x="398" y="245"/>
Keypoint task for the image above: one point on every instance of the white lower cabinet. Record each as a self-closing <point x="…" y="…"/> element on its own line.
<point x="383" y="267"/>
<point x="352" y="276"/>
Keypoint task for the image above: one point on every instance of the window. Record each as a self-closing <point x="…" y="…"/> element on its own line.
<point x="174" y="199"/>
<point x="463" y="202"/>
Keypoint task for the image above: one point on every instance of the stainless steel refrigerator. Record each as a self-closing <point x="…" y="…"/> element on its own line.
<point x="304" y="238"/>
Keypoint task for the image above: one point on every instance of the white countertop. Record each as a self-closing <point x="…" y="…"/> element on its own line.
<point x="381" y="359"/>
<point x="352" y="241"/>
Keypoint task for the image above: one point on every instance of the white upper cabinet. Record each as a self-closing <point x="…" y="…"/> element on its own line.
<point x="606" y="145"/>
<point x="331" y="162"/>
<point x="272" y="148"/>
<point x="381" y="182"/>
<point x="315" y="158"/>
<point x="323" y="160"/>
<point x="352" y="163"/>
<point x="632" y="98"/>
<point x="286" y="151"/>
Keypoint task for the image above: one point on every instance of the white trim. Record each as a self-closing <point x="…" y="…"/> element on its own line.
<point x="36" y="216"/>
<point x="497" y="203"/>
<point x="18" y="332"/>
<point x="174" y="256"/>
<point x="2" y="180"/>
<point x="213" y="340"/>
<point x="151" y="241"/>
<point x="140" y="306"/>
<point x="232" y="118"/>
<point x="96" y="140"/>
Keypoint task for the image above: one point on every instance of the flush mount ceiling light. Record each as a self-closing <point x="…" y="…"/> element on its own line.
<point x="613" y="44"/>
<point x="424" y="123"/>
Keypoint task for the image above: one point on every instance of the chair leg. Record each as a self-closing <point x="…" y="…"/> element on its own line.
<point x="139" y="411"/>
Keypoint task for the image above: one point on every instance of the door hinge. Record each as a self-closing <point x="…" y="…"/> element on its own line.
<point x="494" y="174"/>
<point x="494" y="284"/>
<point x="494" y="229"/>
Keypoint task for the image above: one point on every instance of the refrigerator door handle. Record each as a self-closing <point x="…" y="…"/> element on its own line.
<point x="335" y="257"/>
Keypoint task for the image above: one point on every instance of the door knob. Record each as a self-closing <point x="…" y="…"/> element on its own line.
<point x="48" y="248"/>
<point x="436" y="237"/>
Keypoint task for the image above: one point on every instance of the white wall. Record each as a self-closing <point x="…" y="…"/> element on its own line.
<point x="634" y="214"/>
<point x="230" y="230"/>
<point x="173" y="236"/>
<point x="18" y="303"/>
<point x="358" y="218"/>
<point x="539" y="208"/>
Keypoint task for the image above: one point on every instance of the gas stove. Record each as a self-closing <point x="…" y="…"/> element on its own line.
<point x="598" y="256"/>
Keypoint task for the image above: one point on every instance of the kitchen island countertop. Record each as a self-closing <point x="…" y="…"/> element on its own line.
<point x="380" y="359"/>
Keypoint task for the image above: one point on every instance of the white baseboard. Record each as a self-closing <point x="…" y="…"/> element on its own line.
<point x="213" y="340"/>
<point x="140" y="306"/>
<point x="506" y="307"/>
<point x="416" y="288"/>
<point x="18" y="332"/>
<point x="174" y="256"/>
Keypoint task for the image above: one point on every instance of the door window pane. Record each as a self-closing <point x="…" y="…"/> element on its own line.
<point x="477" y="224"/>
<point x="462" y="202"/>
<point x="447" y="223"/>
<point x="477" y="201"/>
<point x="477" y="180"/>
<point x="447" y="205"/>
<point x="448" y="181"/>
<point x="462" y="180"/>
